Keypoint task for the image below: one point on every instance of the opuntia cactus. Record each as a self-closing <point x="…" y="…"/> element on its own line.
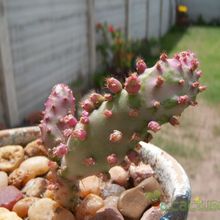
<point x="111" y="125"/>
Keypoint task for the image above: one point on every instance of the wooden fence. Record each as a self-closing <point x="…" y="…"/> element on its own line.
<point x="44" y="42"/>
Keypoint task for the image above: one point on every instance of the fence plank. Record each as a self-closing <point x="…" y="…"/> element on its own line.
<point x="10" y="102"/>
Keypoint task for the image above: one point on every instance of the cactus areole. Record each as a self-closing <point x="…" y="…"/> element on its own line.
<point x="104" y="134"/>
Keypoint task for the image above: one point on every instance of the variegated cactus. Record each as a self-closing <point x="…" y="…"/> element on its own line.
<point x="111" y="125"/>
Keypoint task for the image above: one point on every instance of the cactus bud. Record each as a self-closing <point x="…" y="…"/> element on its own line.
<point x="174" y="121"/>
<point x="108" y="113"/>
<point x="80" y="134"/>
<point x="183" y="99"/>
<point x="114" y="85"/>
<point x="115" y="136"/>
<point x="112" y="159"/>
<point x="140" y="66"/>
<point x="132" y="84"/>
<point x="60" y="150"/>
<point x="163" y="57"/>
<point x="153" y="126"/>
<point x="88" y="106"/>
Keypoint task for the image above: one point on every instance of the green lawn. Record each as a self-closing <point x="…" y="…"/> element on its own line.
<point x="205" y="42"/>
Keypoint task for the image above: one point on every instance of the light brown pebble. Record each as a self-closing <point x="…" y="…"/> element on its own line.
<point x="89" y="206"/>
<point x="35" y="148"/>
<point x="37" y="166"/>
<point x="154" y="213"/>
<point x="119" y="175"/>
<point x="90" y="184"/>
<point x="140" y="172"/>
<point x="3" y="179"/>
<point x="47" y="209"/>
<point x="111" y="201"/>
<point x="108" y="213"/>
<point x="5" y="214"/>
<point x="35" y="187"/>
<point x="21" y="207"/>
<point x="10" y="157"/>
<point x="133" y="202"/>
<point x="19" y="178"/>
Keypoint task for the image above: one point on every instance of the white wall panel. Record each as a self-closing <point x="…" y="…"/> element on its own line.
<point x="49" y="45"/>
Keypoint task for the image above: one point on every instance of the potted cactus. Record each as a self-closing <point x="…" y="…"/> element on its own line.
<point x="115" y="128"/>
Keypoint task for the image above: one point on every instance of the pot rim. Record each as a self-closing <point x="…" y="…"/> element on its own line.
<point x="169" y="172"/>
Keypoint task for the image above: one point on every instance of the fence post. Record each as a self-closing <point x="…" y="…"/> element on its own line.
<point x="161" y="18"/>
<point x="147" y="18"/>
<point x="6" y="68"/>
<point x="127" y="19"/>
<point x="91" y="24"/>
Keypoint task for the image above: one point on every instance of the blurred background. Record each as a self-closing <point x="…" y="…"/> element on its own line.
<point x="80" y="43"/>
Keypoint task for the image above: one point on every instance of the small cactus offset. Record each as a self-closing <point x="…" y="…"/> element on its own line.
<point x="111" y="125"/>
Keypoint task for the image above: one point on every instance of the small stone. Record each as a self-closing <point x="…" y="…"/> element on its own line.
<point x="9" y="195"/>
<point x="47" y="209"/>
<point x="111" y="189"/>
<point x="140" y="172"/>
<point x="154" y="213"/>
<point x="35" y="148"/>
<point x="3" y="179"/>
<point x="5" y="214"/>
<point x="108" y="213"/>
<point x="90" y="184"/>
<point x="119" y="175"/>
<point x="21" y="207"/>
<point x="35" y="187"/>
<point x="132" y="203"/>
<point x="89" y="206"/>
<point x="111" y="201"/>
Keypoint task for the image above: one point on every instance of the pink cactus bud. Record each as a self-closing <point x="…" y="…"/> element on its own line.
<point x="133" y="113"/>
<point x="140" y="65"/>
<point x="202" y="88"/>
<point x="185" y="60"/>
<point x="153" y="126"/>
<point x="112" y="159"/>
<point x="96" y="98"/>
<point x="132" y="84"/>
<point x="61" y="150"/>
<point x="174" y="121"/>
<point x="156" y="104"/>
<point x="84" y="120"/>
<point x="108" y="97"/>
<point x="80" y="134"/>
<point x="108" y="113"/>
<point x="163" y="57"/>
<point x="198" y="74"/>
<point x="181" y="82"/>
<point x="115" y="136"/>
<point x="114" y="85"/>
<point x="177" y="57"/>
<point x="67" y="132"/>
<point x="88" y="106"/>
<point x="90" y="161"/>
<point x="158" y="66"/>
<point x="159" y="81"/>
<point x="70" y="120"/>
<point x="194" y="65"/>
<point x="195" y="84"/>
<point x="183" y="99"/>
<point x="85" y="113"/>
